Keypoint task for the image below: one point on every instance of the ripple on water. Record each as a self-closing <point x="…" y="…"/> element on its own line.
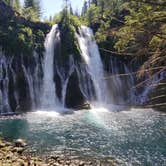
<point x="135" y="136"/>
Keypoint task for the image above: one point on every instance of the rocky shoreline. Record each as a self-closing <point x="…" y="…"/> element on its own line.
<point x="14" y="154"/>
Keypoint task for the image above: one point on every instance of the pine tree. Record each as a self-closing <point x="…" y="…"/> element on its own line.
<point x="71" y="10"/>
<point x="17" y="6"/>
<point x="85" y="8"/>
<point x="32" y="10"/>
<point x="29" y="3"/>
<point x="7" y="2"/>
<point x="37" y="7"/>
<point x="94" y="2"/>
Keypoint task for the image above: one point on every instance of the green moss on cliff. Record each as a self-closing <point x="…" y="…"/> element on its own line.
<point x="18" y="35"/>
<point x="68" y="25"/>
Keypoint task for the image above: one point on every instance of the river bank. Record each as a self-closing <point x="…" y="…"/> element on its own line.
<point x="14" y="155"/>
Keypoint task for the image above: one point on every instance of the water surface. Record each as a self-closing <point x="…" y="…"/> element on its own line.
<point x="135" y="136"/>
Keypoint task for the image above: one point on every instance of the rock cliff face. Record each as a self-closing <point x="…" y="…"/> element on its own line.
<point x="7" y="14"/>
<point x="74" y="97"/>
<point x="21" y="65"/>
<point x="22" y="56"/>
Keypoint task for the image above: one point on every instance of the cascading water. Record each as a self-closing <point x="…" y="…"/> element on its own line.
<point x="116" y="82"/>
<point x="29" y="81"/>
<point x="64" y="76"/>
<point x="4" y="86"/>
<point x="16" y="96"/>
<point x="131" y="83"/>
<point x="21" y="82"/>
<point x="91" y="56"/>
<point x="85" y="82"/>
<point x="49" y="99"/>
<point x="149" y="86"/>
<point x="37" y="79"/>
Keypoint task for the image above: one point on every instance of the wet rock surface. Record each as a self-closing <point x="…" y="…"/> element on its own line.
<point x="10" y="155"/>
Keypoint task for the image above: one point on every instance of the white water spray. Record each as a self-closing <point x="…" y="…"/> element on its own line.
<point x="49" y="99"/>
<point x="91" y="56"/>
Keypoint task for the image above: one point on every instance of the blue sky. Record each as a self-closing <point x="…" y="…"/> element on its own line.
<point x="50" y="7"/>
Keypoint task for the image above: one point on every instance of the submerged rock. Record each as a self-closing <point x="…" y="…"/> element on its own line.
<point x="15" y="156"/>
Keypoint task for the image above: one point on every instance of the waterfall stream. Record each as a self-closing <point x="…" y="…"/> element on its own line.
<point x="35" y="84"/>
<point x="4" y="86"/>
<point x="64" y="76"/>
<point x="91" y="56"/>
<point x="49" y="98"/>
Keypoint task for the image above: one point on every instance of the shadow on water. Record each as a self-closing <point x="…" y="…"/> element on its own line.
<point x="14" y="128"/>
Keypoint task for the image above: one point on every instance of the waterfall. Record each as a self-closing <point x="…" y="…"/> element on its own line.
<point x="29" y="81"/>
<point x="116" y="83"/>
<point x="91" y="56"/>
<point x="37" y="79"/>
<point x="64" y="76"/>
<point x="131" y="83"/>
<point x="4" y="86"/>
<point x="16" y="96"/>
<point x="49" y="98"/>
<point x="85" y="82"/>
<point x="149" y="86"/>
<point x="45" y="82"/>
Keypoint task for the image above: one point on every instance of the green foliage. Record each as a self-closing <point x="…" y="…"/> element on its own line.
<point x="99" y="16"/>
<point x="39" y="41"/>
<point x="69" y="19"/>
<point x="29" y="3"/>
<point x="30" y="14"/>
<point x="8" y="2"/>
<point x="16" y="39"/>
<point x="15" y="4"/>
<point x="32" y="10"/>
<point x="145" y="28"/>
<point x="93" y="14"/>
<point x="136" y="27"/>
<point x="68" y="25"/>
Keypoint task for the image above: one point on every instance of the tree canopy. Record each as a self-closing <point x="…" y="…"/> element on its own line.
<point x="135" y="28"/>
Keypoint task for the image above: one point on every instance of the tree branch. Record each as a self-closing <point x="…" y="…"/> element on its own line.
<point x="153" y="2"/>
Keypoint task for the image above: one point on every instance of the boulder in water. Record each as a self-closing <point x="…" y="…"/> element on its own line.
<point x="20" y="143"/>
<point x="84" y="106"/>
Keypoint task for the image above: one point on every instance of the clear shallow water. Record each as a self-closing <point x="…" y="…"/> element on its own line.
<point x="135" y="136"/>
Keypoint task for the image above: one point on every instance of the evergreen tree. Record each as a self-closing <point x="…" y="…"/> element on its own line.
<point x="17" y="6"/>
<point x="8" y="2"/>
<point x="71" y="10"/>
<point x="94" y="2"/>
<point x="85" y="8"/>
<point x="29" y="3"/>
<point x="37" y="7"/>
<point x="32" y="10"/>
<point x="89" y="2"/>
<point x="76" y="13"/>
